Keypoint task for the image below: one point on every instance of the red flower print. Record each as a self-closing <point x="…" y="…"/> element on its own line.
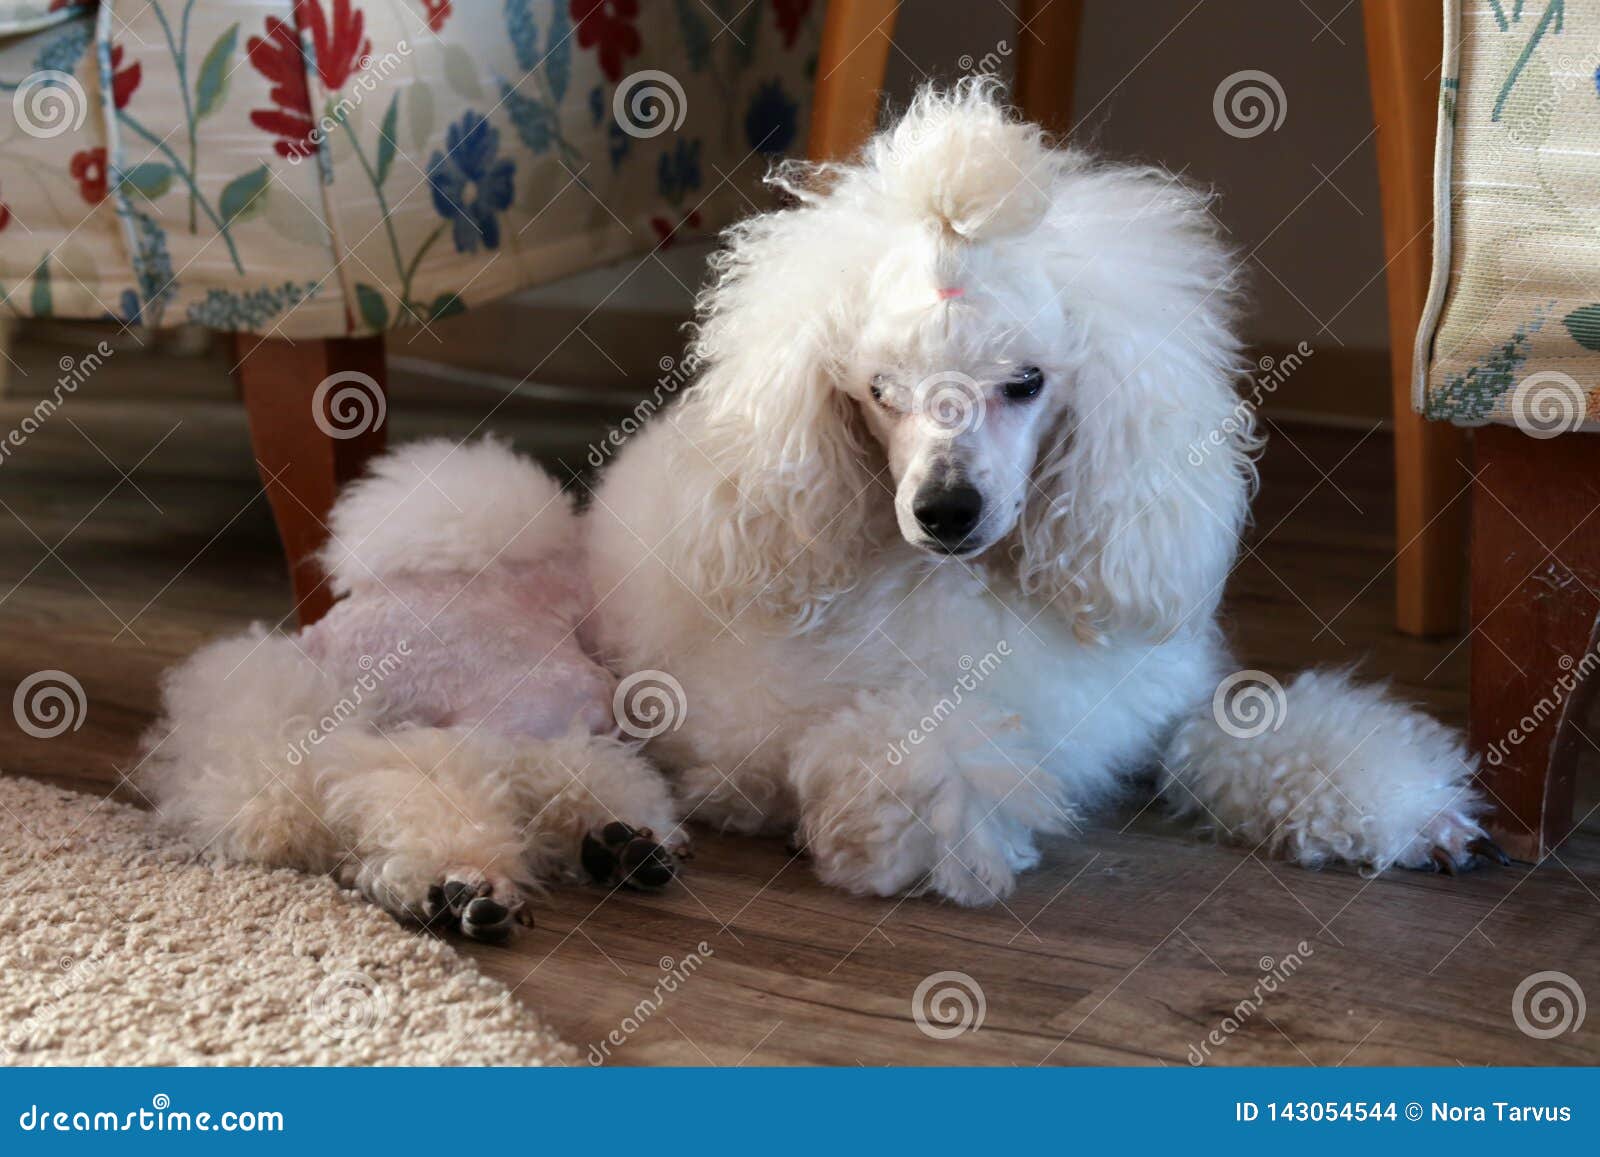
<point x="667" y="231"/>
<point x="340" y="48"/>
<point x="89" y="170"/>
<point x="123" y="80"/>
<point x="438" y="12"/>
<point x="277" y="57"/>
<point x="339" y="44"/>
<point x="791" y="15"/>
<point x="5" y="215"/>
<point x="608" y="23"/>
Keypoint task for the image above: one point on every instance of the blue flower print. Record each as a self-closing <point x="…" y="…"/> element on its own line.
<point x="770" y="125"/>
<point x="128" y="309"/>
<point x="678" y="172"/>
<point x="618" y="143"/>
<point x="471" y="183"/>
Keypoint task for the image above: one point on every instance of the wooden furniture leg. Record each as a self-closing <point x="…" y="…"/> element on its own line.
<point x="1535" y="598"/>
<point x="856" y="37"/>
<point x="316" y="412"/>
<point x="1404" y="46"/>
<point x="8" y="329"/>
<point x="1047" y="55"/>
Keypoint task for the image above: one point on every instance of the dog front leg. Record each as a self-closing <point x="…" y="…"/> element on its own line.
<point x="887" y="808"/>
<point x="1328" y="770"/>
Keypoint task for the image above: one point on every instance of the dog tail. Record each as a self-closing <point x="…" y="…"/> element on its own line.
<point x="1327" y="769"/>
<point x="436" y="506"/>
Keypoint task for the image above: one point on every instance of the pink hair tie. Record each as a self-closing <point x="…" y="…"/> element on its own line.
<point x="947" y="294"/>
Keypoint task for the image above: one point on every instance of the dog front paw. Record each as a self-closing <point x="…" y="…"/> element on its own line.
<point x="1452" y="845"/>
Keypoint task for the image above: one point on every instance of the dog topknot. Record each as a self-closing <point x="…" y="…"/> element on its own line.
<point x="960" y="158"/>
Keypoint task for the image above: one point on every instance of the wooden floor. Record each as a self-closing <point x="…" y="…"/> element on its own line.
<point x="132" y="528"/>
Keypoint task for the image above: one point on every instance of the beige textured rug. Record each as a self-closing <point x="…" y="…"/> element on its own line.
<point x="117" y="948"/>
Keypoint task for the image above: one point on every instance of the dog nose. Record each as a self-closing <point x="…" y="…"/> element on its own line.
<point x="948" y="513"/>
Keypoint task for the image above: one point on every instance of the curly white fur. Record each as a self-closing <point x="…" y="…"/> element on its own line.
<point x="763" y="541"/>
<point x="435" y="507"/>
<point x="1345" y="773"/>
<point x="441" y="723"/>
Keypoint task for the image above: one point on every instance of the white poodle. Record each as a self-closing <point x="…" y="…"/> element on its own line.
<point x="935" y="545"/>
<point x="440" y="740"/>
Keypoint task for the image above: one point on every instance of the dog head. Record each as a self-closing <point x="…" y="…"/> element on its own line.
<point x="991" y="348"/>
<point x="961" y="399"/>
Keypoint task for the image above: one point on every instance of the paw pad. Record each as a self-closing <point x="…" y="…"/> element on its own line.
<point x="472" y="909"/>
<point x="620" y="854"/>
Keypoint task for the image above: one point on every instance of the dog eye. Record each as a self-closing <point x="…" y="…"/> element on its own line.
<point x="876" y="387"/>
<point x="1027" y="384"/>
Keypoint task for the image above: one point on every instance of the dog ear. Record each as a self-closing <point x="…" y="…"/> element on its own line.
<point x="1143" y="487"/>
<point x="784" y="458"/>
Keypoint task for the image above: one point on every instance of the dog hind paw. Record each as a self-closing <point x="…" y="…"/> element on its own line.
<point x="481" y="908"/>
<point x="619" y="854"/>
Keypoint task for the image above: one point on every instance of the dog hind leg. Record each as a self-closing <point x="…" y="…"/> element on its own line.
<point x="432" y="824"/>
<point x="229" y="765"/>
<point x="597" y="808"/>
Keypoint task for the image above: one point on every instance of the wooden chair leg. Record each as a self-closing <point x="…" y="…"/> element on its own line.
<point x="1404" y="45"/>
<point x="1047" y="57"/>
<point x="1535" y="600"/>
<point x="856" y="37"/>
<point x="316" y="412"/>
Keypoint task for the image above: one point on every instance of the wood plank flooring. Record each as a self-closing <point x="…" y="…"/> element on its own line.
<point x="132" y="528"/>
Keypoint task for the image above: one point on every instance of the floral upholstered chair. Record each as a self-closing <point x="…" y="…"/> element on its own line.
<point x="310" y="174"/>
<point x="1509" y="345"/>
